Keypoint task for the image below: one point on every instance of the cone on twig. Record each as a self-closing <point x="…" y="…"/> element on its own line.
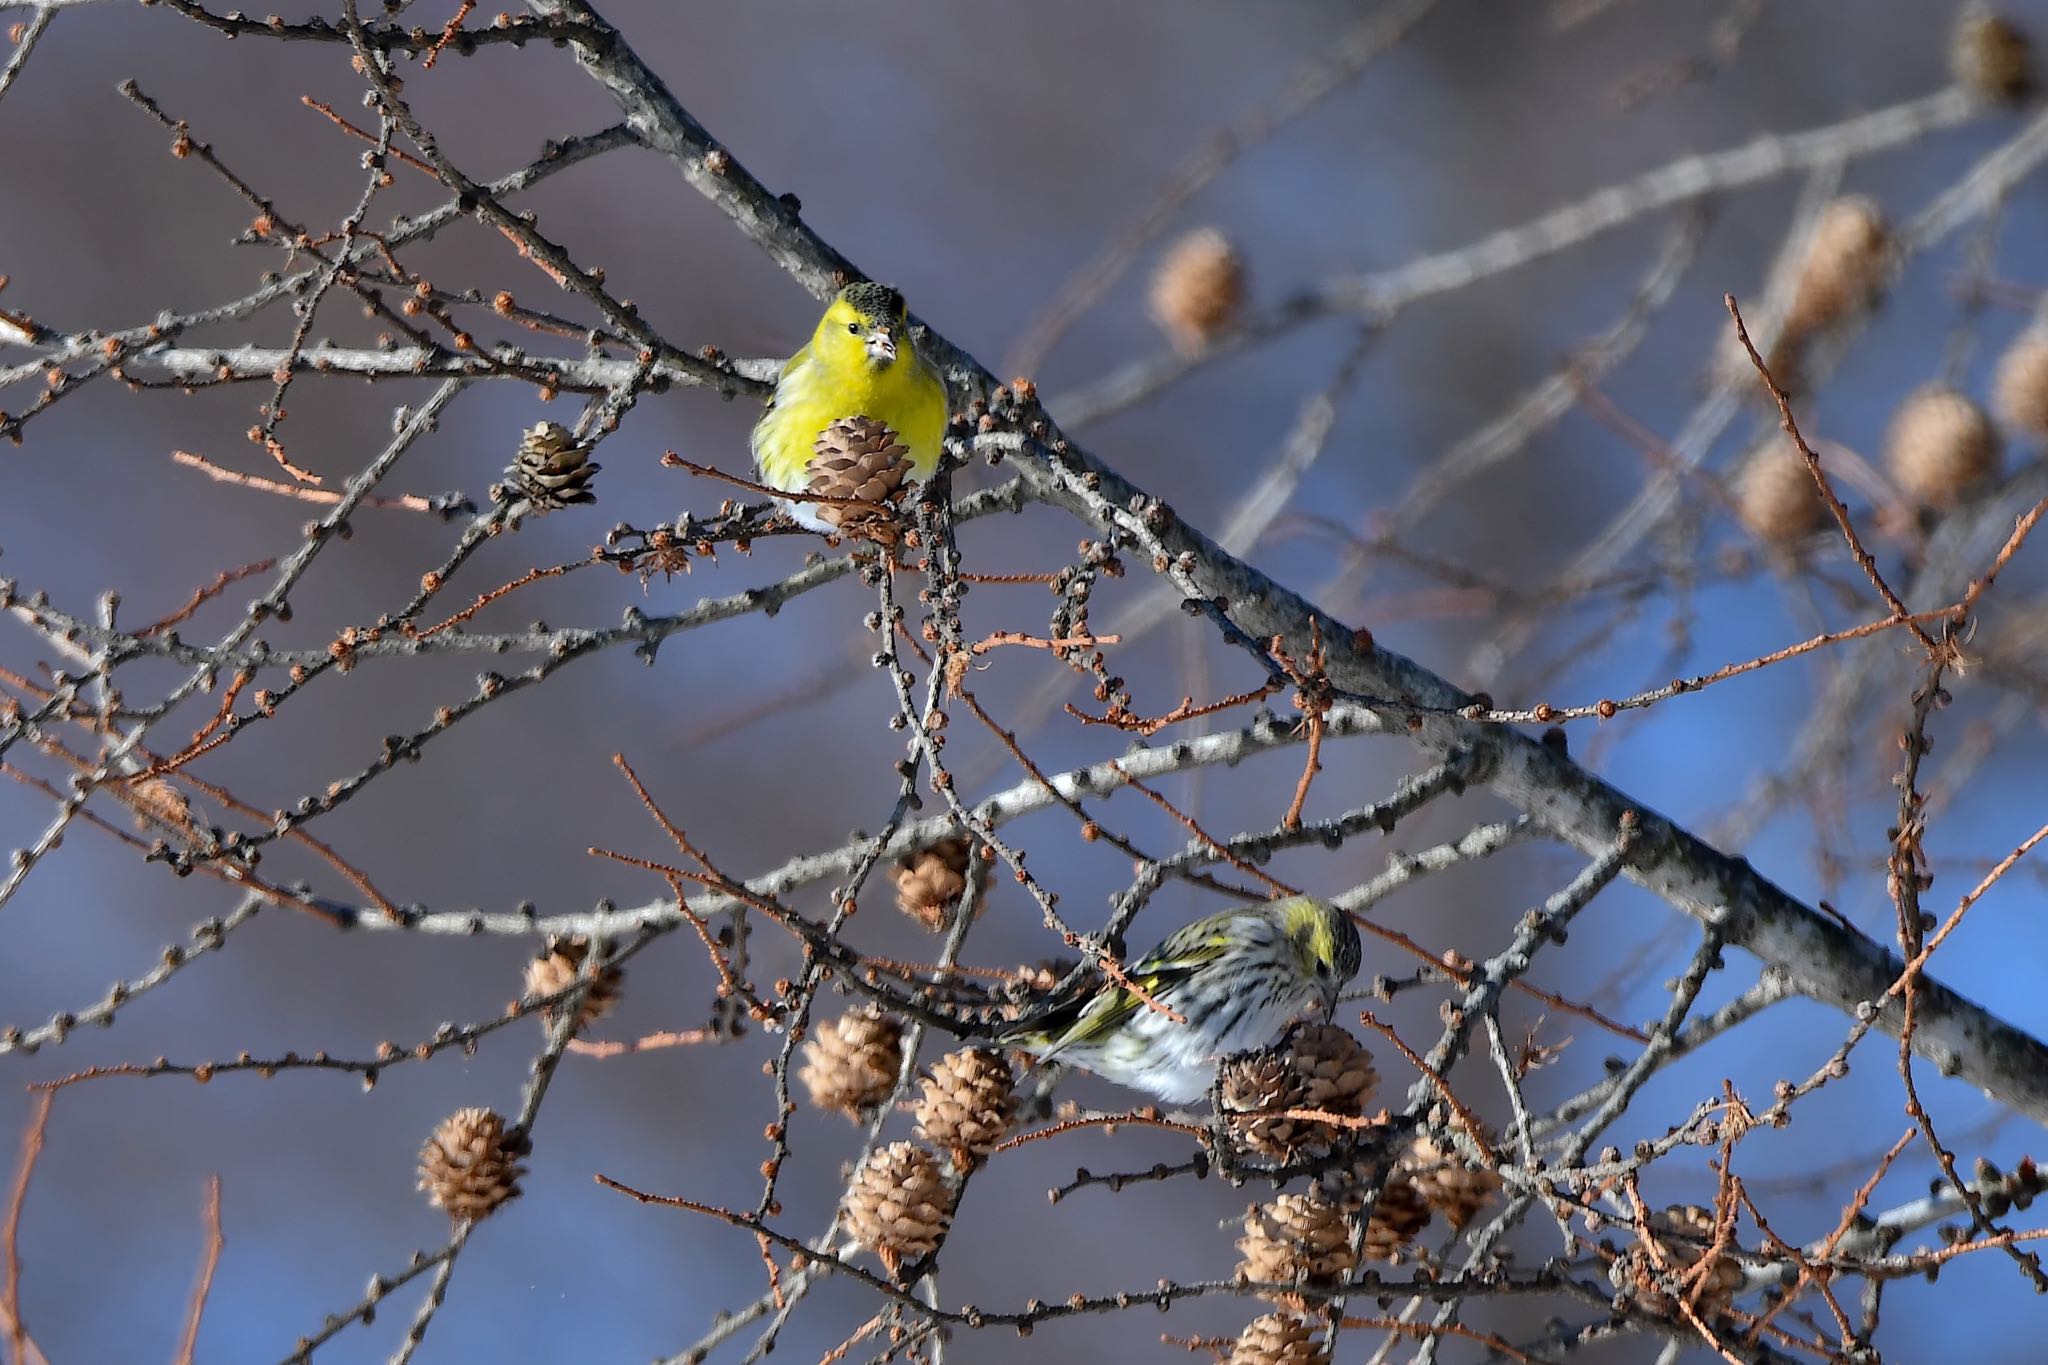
<point x="1448" y="1183"/>
<point x="1278" y="1339"/>
<point x="1847" y="265"/>
<point x="1296" y="1239"/>
<point x="155" y="802"/>
<point x="552" y="469"/>
<point x="1321" y="1067"/>
<point x="1337" y="1076"/>
<point x="858" y="457"/>
<point x="1682" y="1234"/>
<point x="1198" y="290"/>
<point x="1776" y="496"/>
<point x="931" y="881"/>
<point x="1940" y="447"/>
<point x="468" y="1167"/>
<point x="1397" y="1219"/>
<point x="967" y="1105"/>
<point x="851" y="1063"/>
<point x="556" y="969"/>
<point x="899" y="1205"/>
<point x="1990" y="56"/>
<point x="2020" y="388"/>
<point x="1255" y="1087"/>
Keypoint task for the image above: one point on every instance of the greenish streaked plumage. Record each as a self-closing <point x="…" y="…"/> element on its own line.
<point x="1239" y="979"/>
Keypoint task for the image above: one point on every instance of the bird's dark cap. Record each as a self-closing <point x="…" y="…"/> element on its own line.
<point x="873" y="300"/>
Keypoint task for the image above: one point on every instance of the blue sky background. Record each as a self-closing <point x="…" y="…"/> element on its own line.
<point x="973" y="154"/>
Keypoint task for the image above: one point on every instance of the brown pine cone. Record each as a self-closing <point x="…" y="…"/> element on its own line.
<point x="1776" y="496"/>
<point x="858" y="457"/>
<point x="930" y="882"/>
<point x="1278" y="1339"/>
<point x="851" y="1063"/>
<point x="467" y="1167"/>
<point x="1319" y="1066"/>
<point x="2020" y="390"/>
<point x="1940" y="447"/>
<point x="1295" y="1239"/>
<point x="1682" y="1233"/>
<point x="1254" y="1086"/>
<point x="1990" y="56"/>
<point x="155" y="802"/>
<point x="556" y="968"/>
<point x="1399" y="1217"/>
<point x="967" y="1106"/>
<point x="899" y="1205"/>
<point x="552" y="469"/>
<point x="1446" y="1182"/>
<point x="1848" y="262"/>
<point x="1198" y="291"/>
<point x="1400" y="1214"/>
<point x="1336" y="1074"/>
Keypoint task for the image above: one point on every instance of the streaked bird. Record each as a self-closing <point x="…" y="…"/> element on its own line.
<point x="1238" y="979"/>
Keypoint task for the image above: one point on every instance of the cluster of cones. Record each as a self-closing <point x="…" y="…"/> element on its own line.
<point x="901" y="1200"/>
<point x="1303" y="1101"/>
<point x="1306" y="1101"/>
<point x="1943" y="446"/>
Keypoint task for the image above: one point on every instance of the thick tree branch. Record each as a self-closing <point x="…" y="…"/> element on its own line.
<point x="1816" y="956"/>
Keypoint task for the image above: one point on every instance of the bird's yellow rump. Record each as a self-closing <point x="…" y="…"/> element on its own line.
<point x="858" y="363"/>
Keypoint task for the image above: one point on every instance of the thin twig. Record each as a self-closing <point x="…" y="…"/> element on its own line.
<point x="20" y="1348"/>
<point x="1900" y="612"/>
<point x="189" y="1344"/>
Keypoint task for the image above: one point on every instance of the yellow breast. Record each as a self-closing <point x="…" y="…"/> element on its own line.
<point x="908" y="396"/>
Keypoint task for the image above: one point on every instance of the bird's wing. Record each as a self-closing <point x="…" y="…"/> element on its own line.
<point x="802" y="356"/>
<point x="1091" y="1017"/>
<point x="1189" y="946"/>
<point x="1081" y="1021"/>
<point x="924" y="425"/>
<point x="765" y="427"/>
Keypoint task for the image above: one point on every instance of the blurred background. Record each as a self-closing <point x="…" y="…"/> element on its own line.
<point x="978" y="155"/>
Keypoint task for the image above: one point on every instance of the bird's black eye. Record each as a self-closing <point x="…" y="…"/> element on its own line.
<point x="853" y="327"/>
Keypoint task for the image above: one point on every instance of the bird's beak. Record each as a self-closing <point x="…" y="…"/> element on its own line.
<point x="881" y="345"/>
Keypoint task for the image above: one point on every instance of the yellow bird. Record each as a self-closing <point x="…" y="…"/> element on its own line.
<point x="858" y="363"/>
